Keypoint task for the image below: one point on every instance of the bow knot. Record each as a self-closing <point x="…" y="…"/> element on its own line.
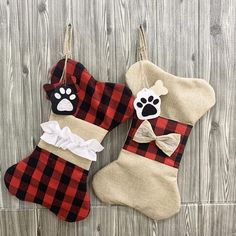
<point x="65" y="139"/>
<point x="167" y="143"/>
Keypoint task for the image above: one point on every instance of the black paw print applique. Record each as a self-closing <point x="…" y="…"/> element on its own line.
<point x="64" y="100"/>
<point x="147" y="104"/>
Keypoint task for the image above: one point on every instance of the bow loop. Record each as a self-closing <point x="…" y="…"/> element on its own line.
<point x="167" y="143"/>
<point x="65" y="139"/>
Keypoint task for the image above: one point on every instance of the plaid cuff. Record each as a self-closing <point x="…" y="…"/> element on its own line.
<point x="160" y="126"/>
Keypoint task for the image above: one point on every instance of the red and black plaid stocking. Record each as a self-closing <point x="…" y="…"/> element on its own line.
<point x="84" y="110"/>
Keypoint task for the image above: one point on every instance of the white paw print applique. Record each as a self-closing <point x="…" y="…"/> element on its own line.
<point x="64" y="100"/>
<point x="148" y="103"/>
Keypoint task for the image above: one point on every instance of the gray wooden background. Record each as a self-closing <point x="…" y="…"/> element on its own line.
<point x="194" y="38"/>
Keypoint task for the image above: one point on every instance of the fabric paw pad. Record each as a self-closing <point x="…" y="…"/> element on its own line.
<point x="147" y="104"/>
<point x="64" y="100"/>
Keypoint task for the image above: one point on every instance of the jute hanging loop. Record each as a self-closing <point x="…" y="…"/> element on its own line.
<point x="67" y="49"/>
<point x="142" y="49"/>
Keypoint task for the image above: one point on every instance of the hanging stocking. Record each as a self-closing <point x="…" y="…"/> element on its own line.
<point x="167" y="107"/>
<point x="83" y="111"/>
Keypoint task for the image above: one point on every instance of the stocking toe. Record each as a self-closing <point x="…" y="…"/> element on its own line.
<point x="49" y="180"/>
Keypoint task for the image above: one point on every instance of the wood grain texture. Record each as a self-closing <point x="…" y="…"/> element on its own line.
<point x="217" y="65"/>
<point x="217" y="219"/>
<point x="18" y="222"/>
<point x="194" y="38"/>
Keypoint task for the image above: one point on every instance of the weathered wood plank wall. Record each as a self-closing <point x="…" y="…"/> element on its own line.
<point x="192" y="38"/>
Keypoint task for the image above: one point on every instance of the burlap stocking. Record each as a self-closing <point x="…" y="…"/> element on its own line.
<point x="145" y="175"/>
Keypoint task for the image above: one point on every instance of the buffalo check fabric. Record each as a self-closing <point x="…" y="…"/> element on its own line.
<point x="101" y="103"/>
<point x="47" y="179"/>
<point x="161" y="126"/>
<point x="50" y="180"/>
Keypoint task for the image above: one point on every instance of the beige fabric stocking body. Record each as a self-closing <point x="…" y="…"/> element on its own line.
<point x="141" y="183"/>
